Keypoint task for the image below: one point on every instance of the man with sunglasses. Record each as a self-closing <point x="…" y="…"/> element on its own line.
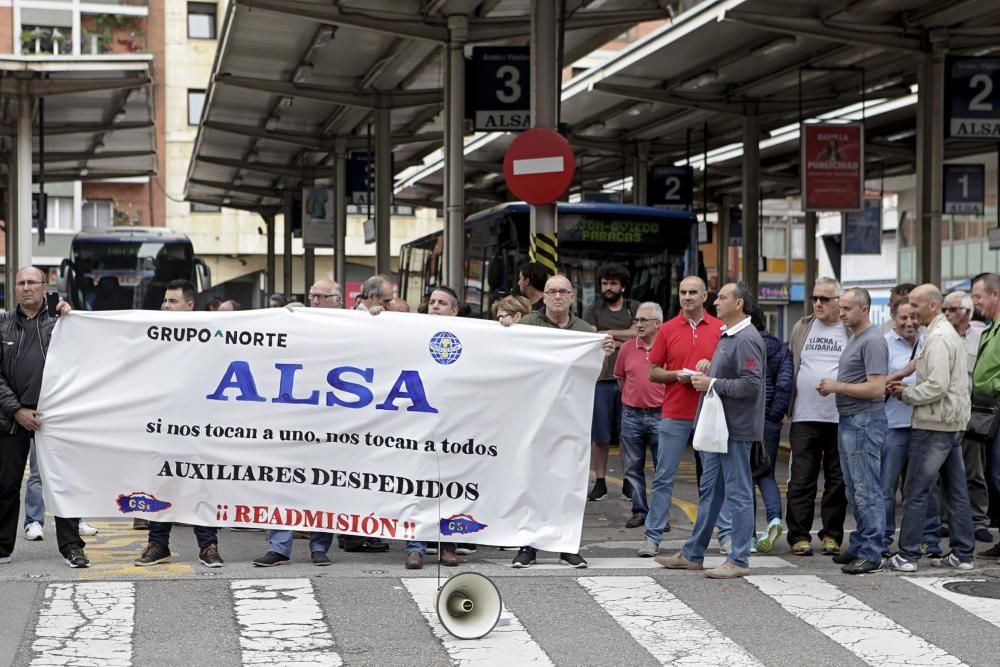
<point x="817" y="343"/>
<point x="642" y="401"/>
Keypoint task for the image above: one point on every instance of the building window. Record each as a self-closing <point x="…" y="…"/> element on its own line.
<point x="198" y="207"/>
<point x="201" y="20"/>
<point x="98" y="214"/>
<point x="196" y="102"/>
<point x="59" y="213"/>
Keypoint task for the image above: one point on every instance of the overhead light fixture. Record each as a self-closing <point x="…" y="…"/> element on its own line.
<point x="775" y="45"/>
<point x="899" y="136"/>
<point x="701" y="80"/>
<point x="272" y="124"/>
<point x="323" y="36"/>
<point x="252" y="155"/>
<point x="84" y="172"/>
<point x="284" y="102"/>
<point x="302" y="73"/>
<point x="99" y="147"/>
<point x="120" y="114"/>
<point x="238" y="181"/>
<point x="227" y="201"/>
<point x="638" y="109"/>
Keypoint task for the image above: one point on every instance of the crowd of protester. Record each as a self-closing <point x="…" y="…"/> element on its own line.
<point x="910" y="407"/>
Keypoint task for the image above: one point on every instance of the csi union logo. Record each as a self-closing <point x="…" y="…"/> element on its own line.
<point x="445" y="347"/>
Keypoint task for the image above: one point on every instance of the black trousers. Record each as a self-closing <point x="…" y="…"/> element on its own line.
<point x="13" y="457"/>
<point x="814" y="447"/>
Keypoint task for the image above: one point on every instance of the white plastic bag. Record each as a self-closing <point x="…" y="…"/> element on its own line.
<point x="711" y="433"/>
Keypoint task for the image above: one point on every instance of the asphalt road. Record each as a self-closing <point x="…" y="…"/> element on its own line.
<point x="369" y="610"/>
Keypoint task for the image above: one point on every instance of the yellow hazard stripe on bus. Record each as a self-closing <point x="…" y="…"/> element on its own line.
<point x="544" y="249"/>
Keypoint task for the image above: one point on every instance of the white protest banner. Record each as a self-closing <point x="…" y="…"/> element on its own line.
<point x="322" y="419"/>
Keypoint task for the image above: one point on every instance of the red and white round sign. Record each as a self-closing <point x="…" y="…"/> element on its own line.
<point x="539" y="166"/>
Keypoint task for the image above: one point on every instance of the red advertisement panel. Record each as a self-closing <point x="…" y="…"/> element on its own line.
<point x="833" y="159"/>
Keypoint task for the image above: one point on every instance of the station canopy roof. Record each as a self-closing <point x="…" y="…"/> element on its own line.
<point x="291" y="76"/>
<point x="99" y="118"/>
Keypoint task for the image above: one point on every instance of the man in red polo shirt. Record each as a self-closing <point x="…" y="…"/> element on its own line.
<point x="684" y="343"/>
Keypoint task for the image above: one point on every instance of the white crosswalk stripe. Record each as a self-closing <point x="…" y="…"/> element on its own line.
<point x="666" y="627"/>
<point x="85" y="624"/>
<point x="873" y="637"/>
<point x="987" y="609"/>
<point x="508" y="644"/>
<point x="281" y="623"/>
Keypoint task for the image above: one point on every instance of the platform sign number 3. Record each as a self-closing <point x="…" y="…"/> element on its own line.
<point x="973" y="94"/>
<point x="500" y="81"/>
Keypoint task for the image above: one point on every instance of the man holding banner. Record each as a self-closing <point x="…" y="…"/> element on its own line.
<point x="558" y="314"/>
<point x="179" y="296"/>
<point x="25" y="333"/>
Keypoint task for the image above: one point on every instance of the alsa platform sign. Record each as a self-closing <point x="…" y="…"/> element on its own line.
<point x="500" y="84"/>
<point x="972" y="98"/>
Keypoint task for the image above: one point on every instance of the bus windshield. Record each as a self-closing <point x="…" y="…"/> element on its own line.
<point x="127" y="274"/>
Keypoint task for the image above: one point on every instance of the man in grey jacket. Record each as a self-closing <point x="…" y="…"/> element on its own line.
<point x="736" y="374"/>
<point x="941" y="407"/>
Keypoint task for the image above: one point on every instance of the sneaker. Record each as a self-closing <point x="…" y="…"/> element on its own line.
<point x="862" y="566"/>
<point x="724" y="547"/>
<point x="76" y="558"/>
<point x="769" y="537"/>
<point x="599" y="491"/>
<point x="524" y="558"/>
<point x="753" y="544"/>
<point x="843" y="558"/>
<point x="933" y="558"/>
<point x="830" y="546"/>
<point x="728" y="570"/>
<point x="900" y="563"/>
<point x="993" y="553"/>
<point x="951" y="560"/>
<point x="984" y="535"/>
<point x="677" y="562"/>
<point x="414" y="560"/>
<point x="209" y="556"/>
<point x="802" y="548"/>
<point x="140" y="524"/>
<point x="153" y="553"/>
<point x="320" y="558"/>
<point x="4" y="560"/>
<point x="635" y="521"/>
<point x="270" y="559"/>
<point x="466" y="549"/>
<point x="648" y="549"/>
<point x="573" y="560"/>
<point x="627" y="490"/>
<point x="33" y="531"/>
<point x="86" y="529"/>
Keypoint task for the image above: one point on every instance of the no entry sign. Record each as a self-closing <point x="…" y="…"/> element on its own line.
<point x="539" y="166"/>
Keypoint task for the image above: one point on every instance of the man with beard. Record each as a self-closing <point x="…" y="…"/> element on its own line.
<point x="612" y="314"/>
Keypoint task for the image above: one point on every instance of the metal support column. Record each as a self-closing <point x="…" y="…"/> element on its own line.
<point x="454" y="195"/>
<point x="639" y="183"/>
<point x="271" y="264"/>
<point x="340" y="214"/>
<point x="930" y="156"/>
<point x="722" y="242"/>
<point x="545" y="89"/>
<point x="286" y="255"/>
<point x="751" y="200"/>
<point x="308" y="270"/>
<point x="22" y="235"/>
<point x="810" y="260"/>
<point x="383" y="189"/>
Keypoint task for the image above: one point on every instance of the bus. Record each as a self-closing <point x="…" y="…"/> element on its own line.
<point x="126" y="268"/>
<point x="658" y="246"/>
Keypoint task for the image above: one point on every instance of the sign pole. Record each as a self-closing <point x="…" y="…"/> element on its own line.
<point x="545" y="89"/>
<point x="454" y="237"/>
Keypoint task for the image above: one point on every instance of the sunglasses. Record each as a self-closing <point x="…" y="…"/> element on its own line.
<point x="822" y="299"/>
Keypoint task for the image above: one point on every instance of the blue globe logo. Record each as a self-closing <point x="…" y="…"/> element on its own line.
<point x="445" y="347"/>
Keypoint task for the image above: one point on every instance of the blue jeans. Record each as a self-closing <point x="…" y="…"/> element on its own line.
<point x="674" y="434"/>
<point x="34" y="503"/>
<point x="895" y="452"/>
<point x="280" y="541"/>
<point x="767" y="485"/>
<point x="640" y="429"/>
<point x="862" y="437"/>
<point x="934" y="453"/>
<point x="724" y="478"/>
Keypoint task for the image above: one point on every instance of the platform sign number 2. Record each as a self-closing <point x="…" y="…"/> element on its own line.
<point x="973" y="95"/>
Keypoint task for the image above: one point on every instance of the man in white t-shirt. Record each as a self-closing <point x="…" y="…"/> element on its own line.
<point x="816" y="343"/>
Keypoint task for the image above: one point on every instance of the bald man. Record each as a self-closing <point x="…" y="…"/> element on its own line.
<point x="941" y="409"/>
<point x="326" y="294"/>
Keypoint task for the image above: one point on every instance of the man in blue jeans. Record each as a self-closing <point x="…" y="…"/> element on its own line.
<point x="642" y="401"/>
<point x="736" y="374"/>
<point x="941" y="409"/>
<point x="860" y="390"/>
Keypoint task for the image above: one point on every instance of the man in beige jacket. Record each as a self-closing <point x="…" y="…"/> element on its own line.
<point x="941" y="408"/>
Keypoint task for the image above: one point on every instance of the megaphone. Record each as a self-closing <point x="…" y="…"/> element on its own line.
<point x="468" y="605"/>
